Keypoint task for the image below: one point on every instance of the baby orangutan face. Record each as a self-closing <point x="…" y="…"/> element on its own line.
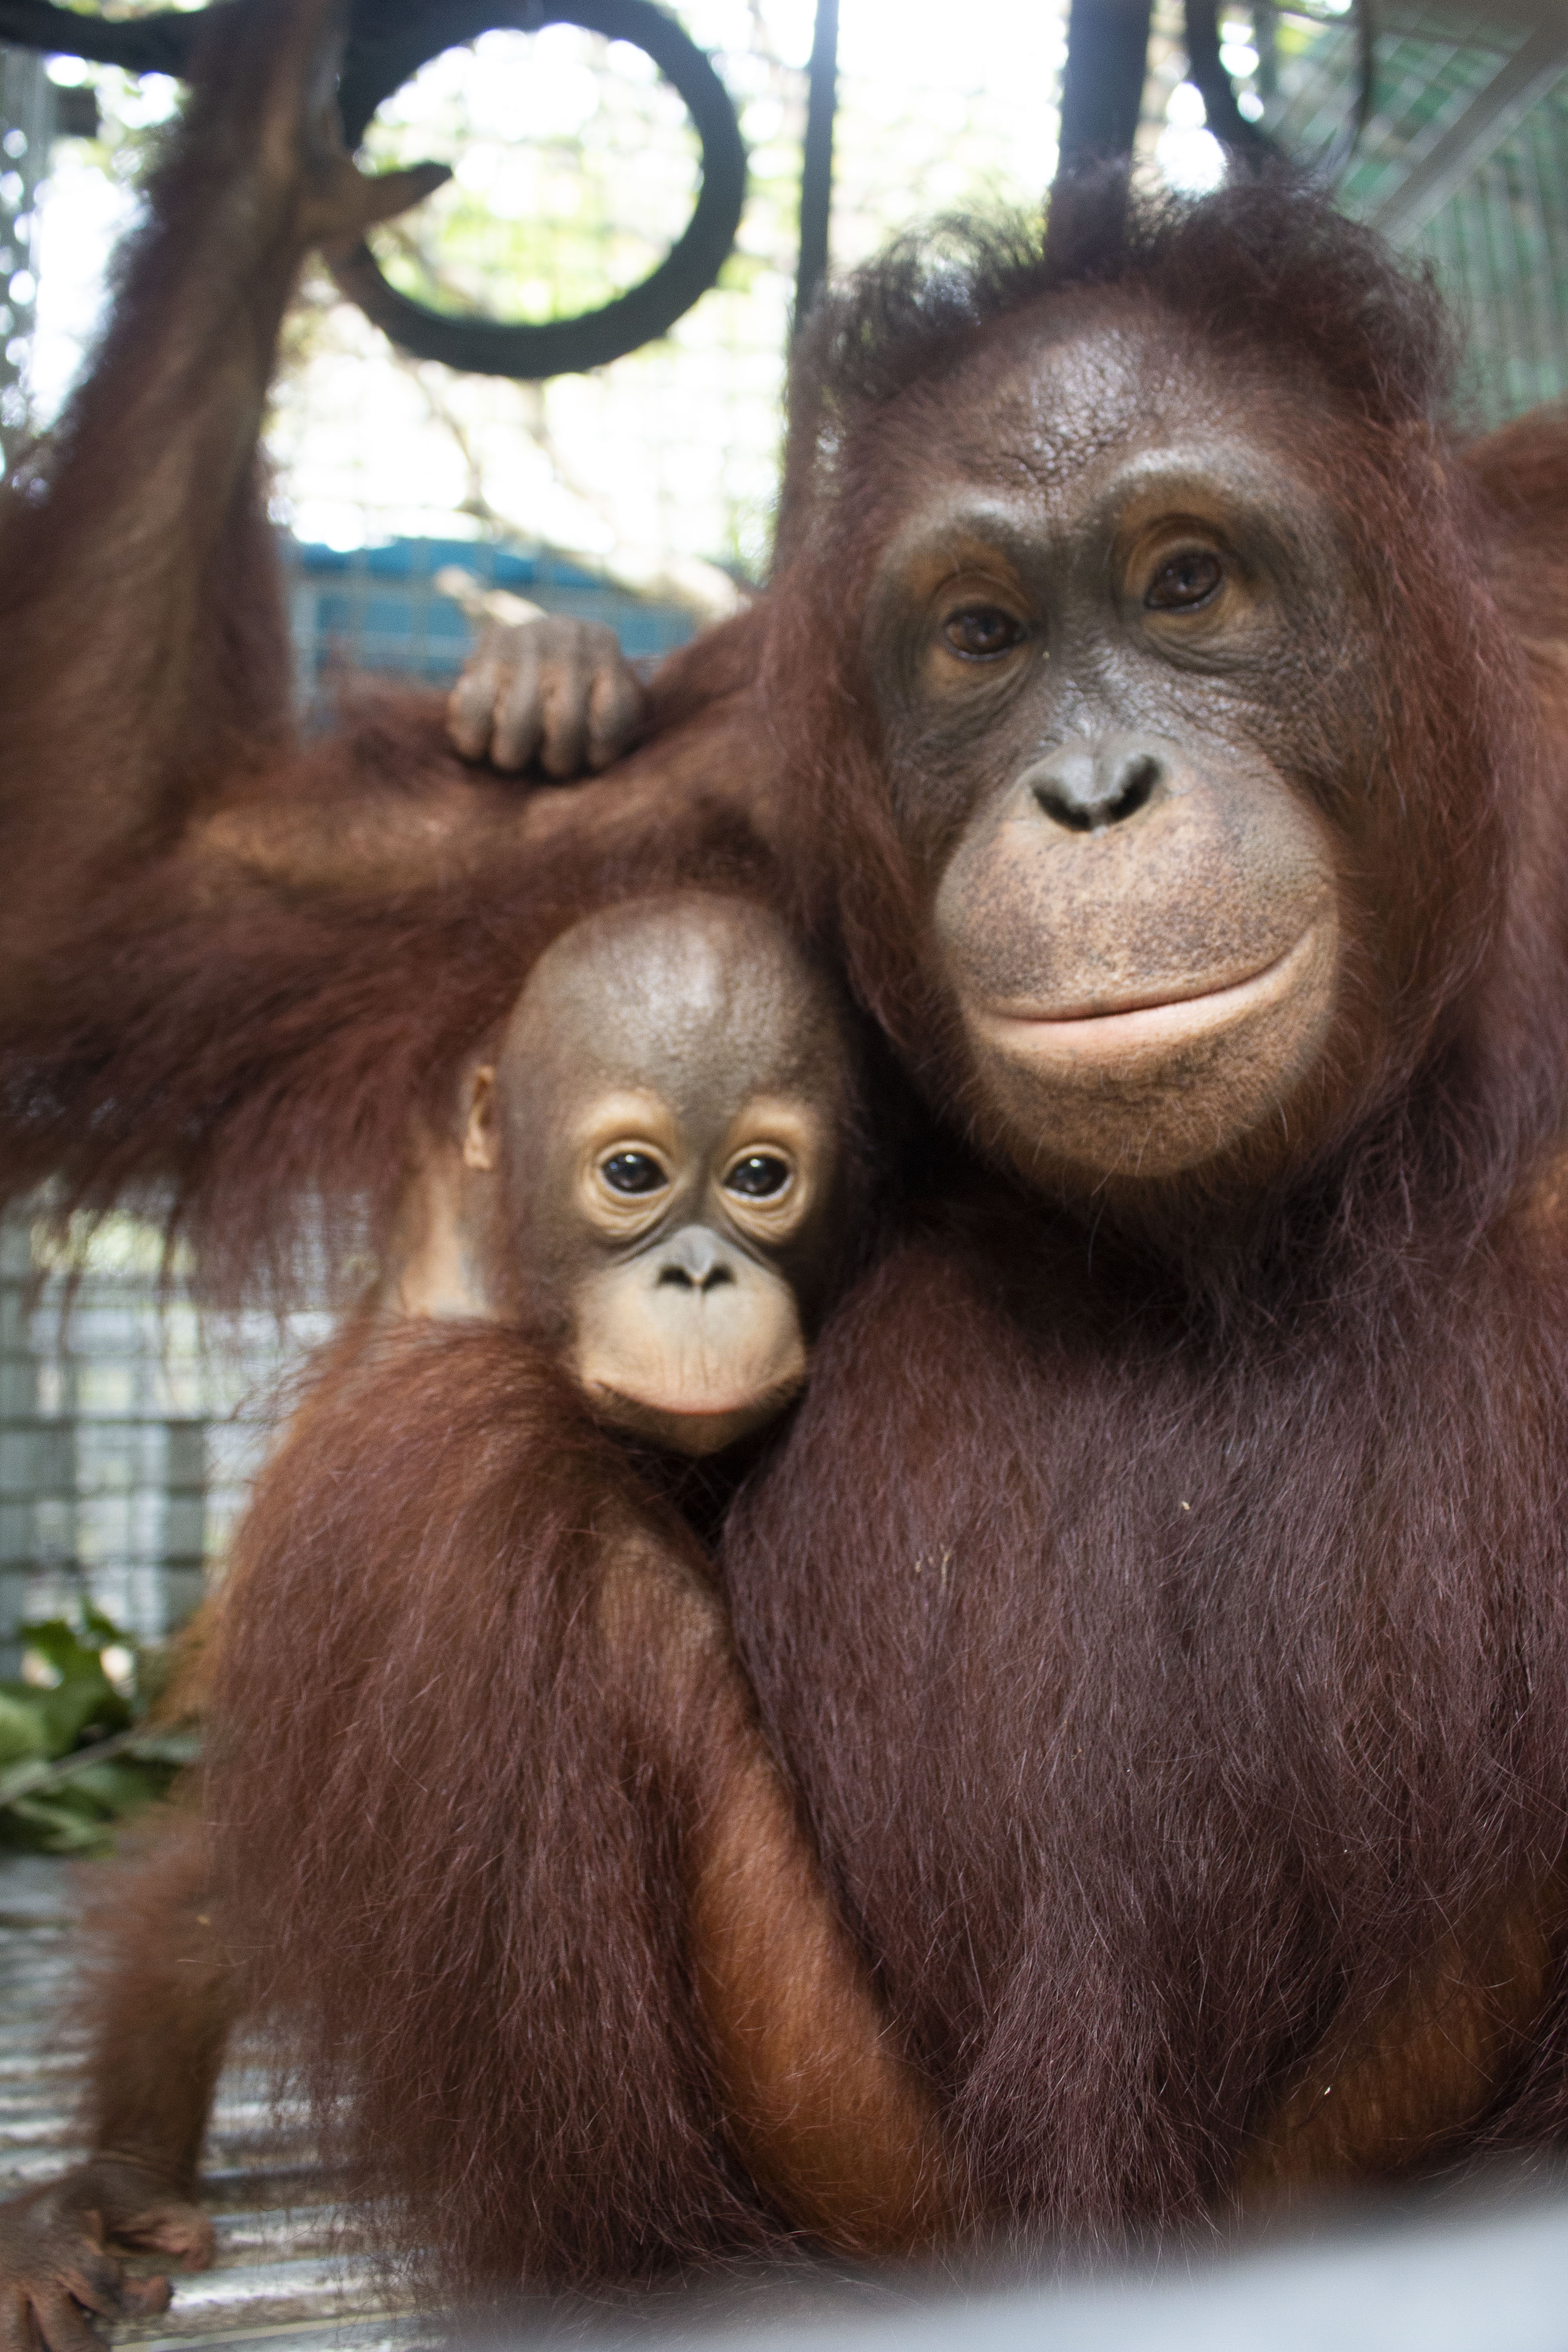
<point x="652" y="1161"/>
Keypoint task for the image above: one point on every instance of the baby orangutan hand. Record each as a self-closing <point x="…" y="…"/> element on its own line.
<point x="555" y="690"/>
<point x="55" y="2268"/>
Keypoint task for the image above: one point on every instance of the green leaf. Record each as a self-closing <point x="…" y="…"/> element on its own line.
<point x="86" y="1701"/>
<point x="94" y="1622"/>
<point x="117" y="1786"/>
<point x="51" y="1824"/>
<point x="59" y="1805"/>
<point x="22" y="1732"/>
<point x="174" y="1749"/>
<point x="83" y="1700"/>
<point x="56" y="1642"/>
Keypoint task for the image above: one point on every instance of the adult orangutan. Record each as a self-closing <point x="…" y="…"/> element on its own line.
<point x="1157" y="1601"/>
<point x="1162" y="1602"/>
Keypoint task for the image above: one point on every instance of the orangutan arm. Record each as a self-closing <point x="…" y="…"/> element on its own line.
<point x="1379" y="2100"/>
<point x="162" y="2002"/>
<point x="1387" y="2095"/>
<point x="144" y="650"/>
<point x="832" y="2120"/>
<point x="142" y="638"/>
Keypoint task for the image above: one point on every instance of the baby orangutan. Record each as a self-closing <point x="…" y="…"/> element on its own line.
<point x="470" y="1650"/>
<point x="645" y="1202"/>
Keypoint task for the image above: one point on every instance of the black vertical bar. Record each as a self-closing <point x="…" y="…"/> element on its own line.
<point x="1102" y="86"/>
<point x="816" y="162"/>
<point x="1225" y="119"/>
<point x="1265" y="41"/>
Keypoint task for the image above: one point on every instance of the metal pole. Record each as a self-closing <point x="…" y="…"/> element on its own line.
<point x="1102" y="86"/>
<point x="24" y="124"/>
<point x="816" y="164"/>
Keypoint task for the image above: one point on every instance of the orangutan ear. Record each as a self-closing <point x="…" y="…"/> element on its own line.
<point x="480" y="1129"/>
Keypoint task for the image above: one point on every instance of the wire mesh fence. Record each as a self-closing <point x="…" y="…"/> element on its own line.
<point x="1499" y="247"/>
<point x="129" y="1429"/>
<point x="1462" y="163"/>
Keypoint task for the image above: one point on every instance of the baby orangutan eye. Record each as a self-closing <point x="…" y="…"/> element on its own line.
<point x="632" y="1171"/>
<point x="981" y="632"/>
<point x="1188" y="579"/>
<point x="760" y="1176"/>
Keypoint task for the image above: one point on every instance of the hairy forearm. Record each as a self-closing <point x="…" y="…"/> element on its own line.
<point x="140" y="632"/>
<point x="1378" y="2100"/>
<point x="163" y="1999"/>
<point x="108" y="557"/>
<point x="832" y="2119"/>
<point x="157" y="2010"/>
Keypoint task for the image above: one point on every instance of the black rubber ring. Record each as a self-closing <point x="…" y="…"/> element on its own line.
<point x="558" y="346"/>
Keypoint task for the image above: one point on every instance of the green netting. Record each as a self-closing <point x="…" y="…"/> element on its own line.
<point x="1500" y="247"/>
<point x="1499" y="241"/>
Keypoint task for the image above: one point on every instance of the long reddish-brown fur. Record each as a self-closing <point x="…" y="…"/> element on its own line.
<point x="1163" y="1687"/>
<point x="458" y="1860"/>
<point x="1164" y="1611"/>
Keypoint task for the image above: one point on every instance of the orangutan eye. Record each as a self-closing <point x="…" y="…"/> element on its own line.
<point x="981" y="632"/>
<point x="760" y="1176"/>
<point x="632" y="1171"/>
<point x="1186" y="580"/>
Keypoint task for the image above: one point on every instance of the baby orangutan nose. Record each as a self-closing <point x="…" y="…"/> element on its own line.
<point x="695" y="1259"/>
<point x="1089" y="785"/>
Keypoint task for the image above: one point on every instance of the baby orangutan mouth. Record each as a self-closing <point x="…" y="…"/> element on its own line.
<point x="693" y="1341"/>
<point x="685" y="1427"/>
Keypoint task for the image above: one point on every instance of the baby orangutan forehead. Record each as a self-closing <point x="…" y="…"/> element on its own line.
<point x="694" y="994"/>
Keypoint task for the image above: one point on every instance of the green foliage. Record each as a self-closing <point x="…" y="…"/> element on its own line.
<point x="75" y="1753"/>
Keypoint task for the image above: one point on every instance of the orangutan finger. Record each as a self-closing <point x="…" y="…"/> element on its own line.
<point x="96" y="2280"/>
<point x="390" y="193"/>
<point x="17" y="2332"/>
<point x="614" y="711"/>
<point x="145" y="2297"/>
<point x="342" y="203"/>
<point x="471" y="708"/>
<point x="60" y="2325"/>
<point x="519" y="716"/>
<point x="180" y="2229"/>
<point x="564" y="712"/>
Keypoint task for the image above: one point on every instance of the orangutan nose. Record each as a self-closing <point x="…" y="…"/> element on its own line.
<point x="695" y="1259"/>
<point x="1088" y="786"/>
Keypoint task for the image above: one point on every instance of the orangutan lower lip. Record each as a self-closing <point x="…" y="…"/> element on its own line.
<point x="695" y="1414"/>
<point x="706" y="1431"/>
<point x="758" y="1400"/>
<point x="1161" y="1021"/>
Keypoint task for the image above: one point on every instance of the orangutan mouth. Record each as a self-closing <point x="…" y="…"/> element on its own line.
<point x="1155" y="1026"/>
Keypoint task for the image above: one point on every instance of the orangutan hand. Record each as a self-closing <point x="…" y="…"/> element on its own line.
<point x="55" y="2268"/>
<point x="555" y="690"/>
<point x="265" y="110"/>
